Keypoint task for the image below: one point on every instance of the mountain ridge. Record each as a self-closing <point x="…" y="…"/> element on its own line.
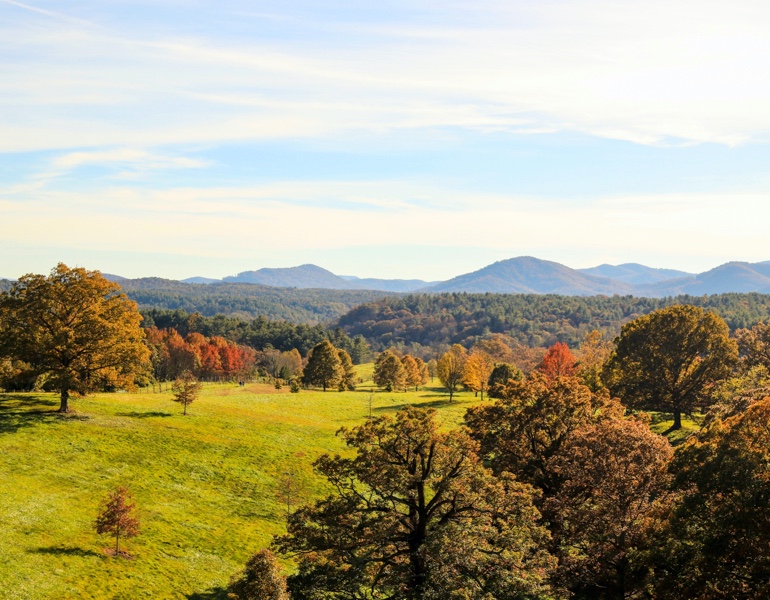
<point x="519" y="275"/>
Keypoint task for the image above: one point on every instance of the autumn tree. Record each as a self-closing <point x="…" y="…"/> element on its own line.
<point x="415" y="515"/>
<point x="117" y="515"/>
<point x="323" y="366"/>
<point x="478" y="368"/>
<point x="610" y="506"/>
<point x="593" y="353"/>
<point x="754" y="345"/>
<point x="422" y="368"/>
<point x="718" y="538"/>
<point x="75" y="326"/>
<point x="389" y="372"/>
<point x="186" y="389"/>
<point x="498" y="347"/>
<point x="261" y="579"/>
<point x="451" y="368"/>
<point x="416" y="371"/>
<point x="432" y="366"/>
<point x="348" y="379"/>
<point x="283" y="365"/>
<point x="670" y="360"/>
<point x="170" y="354"/>
<point x="558" y="362"/>
<point x="520" y="432"/>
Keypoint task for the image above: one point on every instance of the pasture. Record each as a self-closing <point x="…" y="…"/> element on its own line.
<point x="207" y="485"/>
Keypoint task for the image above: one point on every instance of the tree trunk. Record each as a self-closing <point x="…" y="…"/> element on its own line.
<point x="117" y="547"/>
<point x="64" y="405"/>
<point x="677" y="420"/>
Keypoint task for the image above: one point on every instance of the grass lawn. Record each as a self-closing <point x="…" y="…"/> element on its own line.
<point x="206" y="484"/>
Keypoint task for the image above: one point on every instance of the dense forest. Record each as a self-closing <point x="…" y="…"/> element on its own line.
<point x="247" y="300"/>
<point x="433" y="320"/>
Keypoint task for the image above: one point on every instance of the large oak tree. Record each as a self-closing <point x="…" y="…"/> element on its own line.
<point x="670" y="360"/>
<point x="75" y="326"/>
<point x="414" y="514"/>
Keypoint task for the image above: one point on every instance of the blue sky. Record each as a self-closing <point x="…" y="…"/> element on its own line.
<point x="390" y="139"/>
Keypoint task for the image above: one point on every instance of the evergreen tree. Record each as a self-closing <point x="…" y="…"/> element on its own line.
<point x="324" y="367"/>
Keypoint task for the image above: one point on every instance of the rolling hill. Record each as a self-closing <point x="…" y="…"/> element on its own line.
<point x="529" y="275"/>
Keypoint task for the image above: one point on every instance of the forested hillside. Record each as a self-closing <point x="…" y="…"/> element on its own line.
<point x="247" y="300"/>
<point x="530" y="319"/>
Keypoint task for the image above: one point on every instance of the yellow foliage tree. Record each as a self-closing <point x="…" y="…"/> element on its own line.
<point x="412" y="369"/>
<point x="75" y="326"/>
<point x="451" y="368"/>
<point x="478" y="368"/>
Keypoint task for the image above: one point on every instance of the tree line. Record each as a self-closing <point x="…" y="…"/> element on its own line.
<point x="260" y="333"/>
<point x="422" y="324"/>
<point x="76" y="332"/>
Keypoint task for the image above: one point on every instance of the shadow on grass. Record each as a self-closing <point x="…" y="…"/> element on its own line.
<point x="431" y="404"/>
<point x="24" y="410"/>
<point x="60" y="551"/>
<point x="217" y="593"/>
<point x="144" y="415"/>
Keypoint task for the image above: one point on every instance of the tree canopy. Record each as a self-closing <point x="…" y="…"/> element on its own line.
<point x="389" y="371"/>
<point x="324" y="367"/>
<point x="415" y="515"/>
<point x="669" y="360"/>
<point x="75" y="326"/>
<point x="719" y="535"/>
<point x="451" y="368"/>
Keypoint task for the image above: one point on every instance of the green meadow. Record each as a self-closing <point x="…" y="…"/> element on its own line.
<point x="207" y="485"/>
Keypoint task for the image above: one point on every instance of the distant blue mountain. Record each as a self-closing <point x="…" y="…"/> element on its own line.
<point x="729" y="277"/>
<point x="634" y="273"/>
<point x="522" y="275"/>
<point x="529" y="275"/>
<point x="304" y="276"/>
<point x="388" y="285"/>
<point x="312" y="276"/>
<point x="200" y="280"/>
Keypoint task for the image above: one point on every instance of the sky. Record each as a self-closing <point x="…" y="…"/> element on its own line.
<point x="398" y="139"/>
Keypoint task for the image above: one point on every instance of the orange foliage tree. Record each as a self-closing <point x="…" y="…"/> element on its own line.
<point x="75" y="326"/>
<point x="558" y="362"/>
<point x="478" y="368"/>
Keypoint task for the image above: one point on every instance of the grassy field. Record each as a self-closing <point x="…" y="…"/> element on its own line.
<point x="206" y="484"/>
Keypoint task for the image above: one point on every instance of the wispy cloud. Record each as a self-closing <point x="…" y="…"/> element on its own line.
<point x="649" y="72"/>
<point x="48" y="13"/>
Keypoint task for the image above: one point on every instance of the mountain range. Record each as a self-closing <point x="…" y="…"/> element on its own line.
<point x="312" y="276"/>
<point x="530" y="275"/>
<point x="521" y="275"/>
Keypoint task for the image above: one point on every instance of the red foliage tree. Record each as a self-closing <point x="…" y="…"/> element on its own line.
<point x="117" y="516"/>
<point x="558" y="362"/>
